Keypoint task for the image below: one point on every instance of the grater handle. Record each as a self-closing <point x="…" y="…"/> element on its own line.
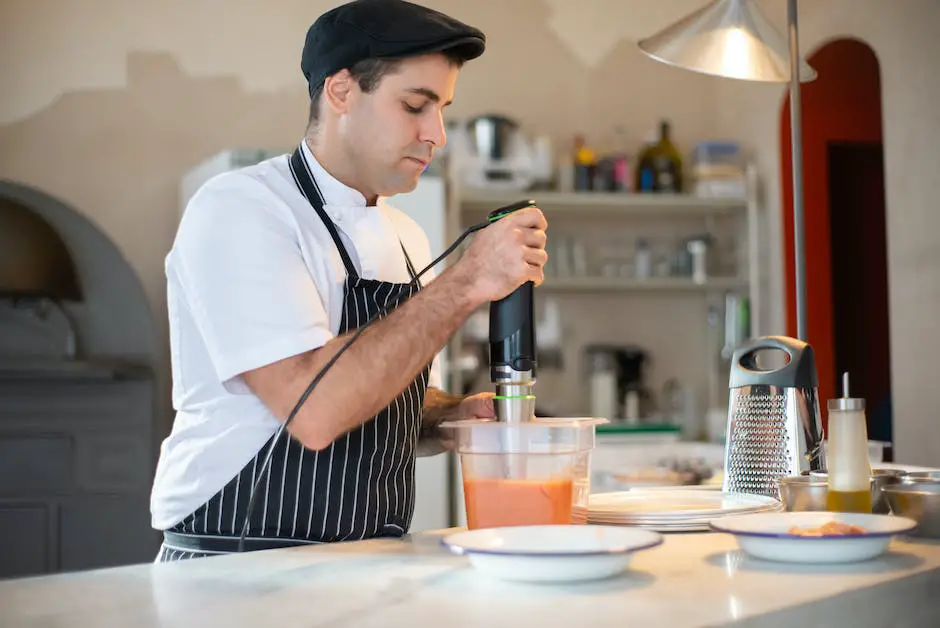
<point x="798" y="372"/>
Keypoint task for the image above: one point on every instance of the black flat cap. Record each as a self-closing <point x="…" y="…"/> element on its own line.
<point x="367" y="29"/>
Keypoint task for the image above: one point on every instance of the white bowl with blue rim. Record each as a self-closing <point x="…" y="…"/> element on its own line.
<point x="551" y="553"/>
<point x="768" y="535"/>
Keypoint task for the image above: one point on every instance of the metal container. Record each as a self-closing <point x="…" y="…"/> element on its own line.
<point x="880" y="479"/>
<point x="922" y="476"/>
<point x="919" y="501"/>
<point x="774" y="428"/>
<point x="801" y="492"/>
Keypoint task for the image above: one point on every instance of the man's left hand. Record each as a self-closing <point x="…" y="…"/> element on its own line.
<point x="479" y="406"/>
<point x="434" y="440"/>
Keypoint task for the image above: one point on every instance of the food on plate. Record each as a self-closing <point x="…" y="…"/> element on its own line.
<point x="830" y="528"/>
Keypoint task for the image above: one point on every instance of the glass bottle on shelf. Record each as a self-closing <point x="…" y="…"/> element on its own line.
<point x="585" y="160"/>
<point x="660" y="165"/>
<point x="622" y="179"/>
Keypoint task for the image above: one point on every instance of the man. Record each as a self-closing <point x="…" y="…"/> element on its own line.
<point x="276" y="265"/>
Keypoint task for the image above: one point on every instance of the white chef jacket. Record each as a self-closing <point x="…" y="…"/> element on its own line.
<point x="253" y="277"/>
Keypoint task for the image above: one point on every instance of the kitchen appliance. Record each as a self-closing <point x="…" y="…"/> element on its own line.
<point x="774" y="428"/>
<point x="520" y="469"/>
<point x="617" y="382"/>
<point x="491" y="152"/>
<point x="512" y="346"/>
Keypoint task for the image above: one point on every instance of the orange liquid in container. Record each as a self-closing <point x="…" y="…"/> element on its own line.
<point x="494" y="503"/>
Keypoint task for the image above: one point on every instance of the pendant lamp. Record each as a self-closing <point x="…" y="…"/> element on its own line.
<point x="733" y="39"/>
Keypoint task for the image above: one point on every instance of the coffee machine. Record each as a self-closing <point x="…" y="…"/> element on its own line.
<point x="616" y="376"/>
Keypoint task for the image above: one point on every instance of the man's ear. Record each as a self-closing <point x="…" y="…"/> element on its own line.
<point x="337" y="90"/>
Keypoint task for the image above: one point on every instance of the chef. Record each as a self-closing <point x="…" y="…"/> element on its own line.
<point x="274" y="267"/>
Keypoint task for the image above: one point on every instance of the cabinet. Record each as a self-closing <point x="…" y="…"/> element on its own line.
<point x="76" y="464"/>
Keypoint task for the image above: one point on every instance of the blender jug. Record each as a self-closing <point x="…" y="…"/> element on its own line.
<point x="536" y="472"/>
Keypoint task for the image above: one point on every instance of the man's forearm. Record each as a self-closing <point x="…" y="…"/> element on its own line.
<point x="381" y="363"/>
<point x="439" y="406"/>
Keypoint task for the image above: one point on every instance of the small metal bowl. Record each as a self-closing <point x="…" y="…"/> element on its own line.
<point x="801" y="493"/>
<point x="922" y="476"/>
<point x="919" y="501"/>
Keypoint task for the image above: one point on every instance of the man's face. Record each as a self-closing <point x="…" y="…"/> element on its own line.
<point x="391" y="134"/>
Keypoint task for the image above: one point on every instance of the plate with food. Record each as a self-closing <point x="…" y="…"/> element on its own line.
<point x="814" y="537"/>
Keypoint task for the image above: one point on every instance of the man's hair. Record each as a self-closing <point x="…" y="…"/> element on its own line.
<point x="369" y="73"/>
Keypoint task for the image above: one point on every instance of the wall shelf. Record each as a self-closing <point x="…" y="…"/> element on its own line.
<point x="655" y="284"/>
<point x="593" y="297"/>
<point x="611" y="204"/>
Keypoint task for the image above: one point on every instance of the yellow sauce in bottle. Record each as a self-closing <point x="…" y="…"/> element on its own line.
<point x="848" y="501"/>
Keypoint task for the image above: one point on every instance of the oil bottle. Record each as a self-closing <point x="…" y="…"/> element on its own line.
<point x="849" y="472"/>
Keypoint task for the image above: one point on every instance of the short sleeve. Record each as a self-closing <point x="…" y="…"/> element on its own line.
<point x="434" y="378"/>
<point x="239" y="262"/>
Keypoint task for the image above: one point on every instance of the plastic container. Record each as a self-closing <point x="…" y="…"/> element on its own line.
<point x="718" y="170"/>
<point x="717" y="158"/>
<point x="532" y="473"/>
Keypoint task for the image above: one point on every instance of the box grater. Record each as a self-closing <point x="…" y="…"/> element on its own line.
<point x="774" y="425"/>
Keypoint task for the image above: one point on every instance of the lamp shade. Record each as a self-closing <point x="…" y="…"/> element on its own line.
<point x="729" y="38"/>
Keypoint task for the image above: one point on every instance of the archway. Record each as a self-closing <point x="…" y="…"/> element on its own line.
<point x="846" y="255"/>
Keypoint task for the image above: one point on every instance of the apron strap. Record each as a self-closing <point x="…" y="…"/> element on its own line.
<point x="411" y="268"/>
<point x="311" y="191"/>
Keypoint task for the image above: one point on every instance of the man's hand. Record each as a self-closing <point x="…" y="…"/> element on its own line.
<point x="479" y="406"/>
<point x="505" y="255"/>
<point x="440" y="407"/>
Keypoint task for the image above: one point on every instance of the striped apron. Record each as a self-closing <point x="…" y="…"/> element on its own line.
<point x="361" y="486"/>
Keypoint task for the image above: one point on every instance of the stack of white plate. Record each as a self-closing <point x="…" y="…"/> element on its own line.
<point x="673" y="511"/>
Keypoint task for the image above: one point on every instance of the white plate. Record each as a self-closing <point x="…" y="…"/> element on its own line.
<point x="678" y="506"/>
<point x="682" y="526"/>
<point x="551" y="553"/>
<point x="767" y="536"/>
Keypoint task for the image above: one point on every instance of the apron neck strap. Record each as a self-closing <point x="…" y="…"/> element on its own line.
<point x="307" y="185"/>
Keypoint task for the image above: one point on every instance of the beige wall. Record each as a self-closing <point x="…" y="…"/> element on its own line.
<point x="106" y="103"/>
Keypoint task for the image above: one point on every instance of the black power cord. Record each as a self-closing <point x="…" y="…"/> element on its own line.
<point x="265" y="466"/>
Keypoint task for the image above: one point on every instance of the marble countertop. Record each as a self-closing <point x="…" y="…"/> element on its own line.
<point x="693" y="579"/>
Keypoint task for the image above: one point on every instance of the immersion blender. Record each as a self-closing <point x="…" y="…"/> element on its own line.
<point x="512" y="345"/>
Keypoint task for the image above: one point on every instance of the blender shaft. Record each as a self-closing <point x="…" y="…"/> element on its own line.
<point x="514" y="401"/>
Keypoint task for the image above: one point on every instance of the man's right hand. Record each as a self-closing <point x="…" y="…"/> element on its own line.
<point x="505" y="255"/>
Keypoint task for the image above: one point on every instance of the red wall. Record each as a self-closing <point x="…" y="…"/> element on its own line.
<point x="842" y="104"/>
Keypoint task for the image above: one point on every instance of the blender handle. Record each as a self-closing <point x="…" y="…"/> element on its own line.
<point x="798" y="372"/>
